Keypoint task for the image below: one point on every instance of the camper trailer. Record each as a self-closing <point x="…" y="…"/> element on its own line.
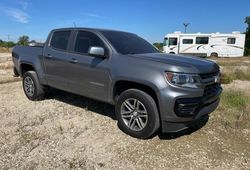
<point x="205" y="45"/>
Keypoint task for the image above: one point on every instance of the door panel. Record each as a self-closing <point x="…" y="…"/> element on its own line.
<point x="89" y="76"/>
<point x="173" y="45"/>
<point x="56" y="64"/>
<point x="187" y="45"/>
<point x="56" y="59"/>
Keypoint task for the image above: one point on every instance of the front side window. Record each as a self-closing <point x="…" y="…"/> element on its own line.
<point x="202" y="40"/>
<point x="60" y="40"/>
<point x="128" y="43"/>
<point x="85" y="40"/>
<point x="187" y="41"/>
<point x="231" y="41"/>
<point x="173" y="41"/>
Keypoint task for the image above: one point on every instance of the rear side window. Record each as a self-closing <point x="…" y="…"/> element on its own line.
<point x="60" y="40"/>
<point x="201" y="40"/>
<point x="231" y="41"/>
<point x="85" y="40"/>
<point x="187" y="41"/>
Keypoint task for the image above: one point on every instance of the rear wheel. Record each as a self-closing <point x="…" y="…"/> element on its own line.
<point x="32" y="87"/>
<point x="137" y="114"/>
<point x="214" y="55"/>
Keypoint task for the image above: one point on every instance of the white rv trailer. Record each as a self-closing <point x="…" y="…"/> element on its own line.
<point x="205" y="45"/>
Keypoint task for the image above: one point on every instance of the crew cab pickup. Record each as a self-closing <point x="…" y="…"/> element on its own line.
<point x="151" y="90"/>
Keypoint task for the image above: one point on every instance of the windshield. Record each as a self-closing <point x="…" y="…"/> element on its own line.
<point x="128" y="43"/>
<point x="165" y="42"/>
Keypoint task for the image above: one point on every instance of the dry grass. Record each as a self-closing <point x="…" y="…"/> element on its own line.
<point x="7" y="75"/>
<point x="234" y="109"/>
<point x="6" y="69"/>
<point x="6" y="65"/>
<point x="5" y="50"/>
<point x="234" y="68"/>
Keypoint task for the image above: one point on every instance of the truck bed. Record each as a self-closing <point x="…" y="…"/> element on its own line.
<point x="26" y="53"/>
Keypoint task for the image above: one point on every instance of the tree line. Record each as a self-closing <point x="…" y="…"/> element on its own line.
<point x="22" y="40"/>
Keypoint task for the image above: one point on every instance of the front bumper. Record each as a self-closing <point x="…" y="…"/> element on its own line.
<point x="185" y="109"/>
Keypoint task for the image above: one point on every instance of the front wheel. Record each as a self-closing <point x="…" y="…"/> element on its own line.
<point x="137" y="114"/>
<point x="32" y="87"/>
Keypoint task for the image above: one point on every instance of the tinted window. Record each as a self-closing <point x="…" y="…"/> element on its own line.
<point x="187" y="41"/>
<point x="172" y="41"/>
<point x="85" y="40"/>
<point x="201" y="40"/>
<point x="128" y="43"/>
<point x="60" y="40"/>
<point x="231" y="41"/>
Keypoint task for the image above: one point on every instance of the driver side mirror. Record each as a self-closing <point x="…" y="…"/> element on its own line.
<point x="97" y="51"/>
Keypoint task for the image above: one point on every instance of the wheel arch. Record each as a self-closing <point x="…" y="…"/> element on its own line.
<point x="26" y="66"/>
<point x="214" y="54"/>
<point x="120" y="86"/>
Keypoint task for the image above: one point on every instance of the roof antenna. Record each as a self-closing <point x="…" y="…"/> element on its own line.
<point x="74" y="24"/>
<point x="186" y="25"/>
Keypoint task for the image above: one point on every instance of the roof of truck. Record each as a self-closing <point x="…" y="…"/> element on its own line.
<point x="86" y="28"/>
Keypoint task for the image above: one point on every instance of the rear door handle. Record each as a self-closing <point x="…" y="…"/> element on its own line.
<point x="73" y="60"/>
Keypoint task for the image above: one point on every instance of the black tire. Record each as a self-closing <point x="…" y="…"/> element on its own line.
<point x="38" y="89"/>
<point x="153" y="121"/>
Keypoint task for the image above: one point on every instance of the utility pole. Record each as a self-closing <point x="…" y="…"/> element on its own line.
<point x="186" y="25"/>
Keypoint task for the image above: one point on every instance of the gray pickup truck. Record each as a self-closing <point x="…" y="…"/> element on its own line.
<point x="151" y="91"/>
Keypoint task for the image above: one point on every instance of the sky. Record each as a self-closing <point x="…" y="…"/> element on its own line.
<point x="151" y="19"/>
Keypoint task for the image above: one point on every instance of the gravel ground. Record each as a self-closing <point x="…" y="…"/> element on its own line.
<point x="67" y="131"/>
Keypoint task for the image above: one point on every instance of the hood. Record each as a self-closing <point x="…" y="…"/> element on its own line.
<point x="179" y="63"/>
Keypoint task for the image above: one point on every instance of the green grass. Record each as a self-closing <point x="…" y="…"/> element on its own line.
<point x="226" y="78"/>
<point x="234" y="99"/>
<point x="237" y="74"/>
<point x="241" y="75"/>
<point x="234" y="109"/>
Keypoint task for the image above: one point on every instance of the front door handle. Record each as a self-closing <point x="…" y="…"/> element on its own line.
<point x="73" y="60"/>
<point x="48" y="56"/>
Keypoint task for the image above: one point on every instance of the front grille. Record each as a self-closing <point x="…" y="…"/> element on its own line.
<point x="211" y="90"/>
<point x="209" y="78"/>
<point x="208" y="75"/>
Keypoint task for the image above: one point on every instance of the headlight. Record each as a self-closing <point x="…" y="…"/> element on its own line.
<point x="184" y="80"/>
